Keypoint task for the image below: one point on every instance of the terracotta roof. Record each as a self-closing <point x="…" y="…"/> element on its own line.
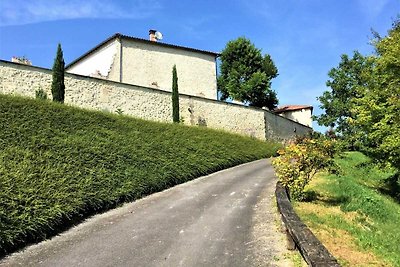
<point x="126" y="37"/>
<point x="292" y="108"/>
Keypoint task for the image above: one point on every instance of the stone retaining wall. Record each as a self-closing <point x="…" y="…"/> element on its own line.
<point x="148" y="103"/>
<point x="312" y="250"/>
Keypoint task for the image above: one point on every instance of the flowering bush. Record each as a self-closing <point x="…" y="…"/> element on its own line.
<point x="300" y="161"/>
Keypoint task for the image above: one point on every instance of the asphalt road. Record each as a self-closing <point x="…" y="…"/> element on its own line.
<point x="216" y="220"/>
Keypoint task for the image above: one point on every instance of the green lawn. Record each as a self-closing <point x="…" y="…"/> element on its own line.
<point x="351" y="208"/>
<point x="59" y="164"/>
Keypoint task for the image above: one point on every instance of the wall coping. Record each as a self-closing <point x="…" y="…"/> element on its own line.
<point x="151" y="89"/>
<point x="312" y="250"/>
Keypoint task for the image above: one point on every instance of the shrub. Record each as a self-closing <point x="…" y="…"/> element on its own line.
<point x="59" y="164"/>
<point x="300" y="161"/>
<point x="40" y="94"/>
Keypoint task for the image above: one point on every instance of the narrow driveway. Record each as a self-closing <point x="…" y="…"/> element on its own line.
<point x="223" y="219"/>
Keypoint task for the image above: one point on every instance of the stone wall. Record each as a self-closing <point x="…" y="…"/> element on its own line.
<point x="280" y="128"/>
<point x="148" y="103"/>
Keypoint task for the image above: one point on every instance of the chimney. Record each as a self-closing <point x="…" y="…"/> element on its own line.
<point x="152" y="35"/>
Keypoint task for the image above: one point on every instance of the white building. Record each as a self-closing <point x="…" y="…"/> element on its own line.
<point x="300" y="113"/>
<point x="149" y="63"/>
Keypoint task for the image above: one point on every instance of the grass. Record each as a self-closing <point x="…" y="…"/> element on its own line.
<point x="59" y="164"/>
<point x="350" y="215"/>
<point x="295" y="258"/>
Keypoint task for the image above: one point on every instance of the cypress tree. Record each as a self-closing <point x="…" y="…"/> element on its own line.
<point x="57" y="85"/>
<point x="175" y="96"/>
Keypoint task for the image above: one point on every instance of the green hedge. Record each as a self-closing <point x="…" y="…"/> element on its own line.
<point x="59" y="164"/>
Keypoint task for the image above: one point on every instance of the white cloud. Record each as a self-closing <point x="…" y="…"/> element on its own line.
<point x="17" y="12"/>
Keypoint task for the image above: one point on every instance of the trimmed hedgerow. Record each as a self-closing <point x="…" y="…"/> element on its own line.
<point x="58" y="163"/>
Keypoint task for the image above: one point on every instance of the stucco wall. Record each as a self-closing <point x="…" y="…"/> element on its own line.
<point x="99" y="63"/>
<point x="302" y="116"/>
<point x="150" y="65"/>
<point x="149" y="103"/>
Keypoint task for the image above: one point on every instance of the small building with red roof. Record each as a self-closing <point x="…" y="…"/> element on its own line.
<point x="300" y="113"/>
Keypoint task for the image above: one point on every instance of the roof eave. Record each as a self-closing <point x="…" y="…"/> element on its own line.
<point x="287" y="109"/>
<point x="215" y="54"/>
<point x="121" y="36"/>
<point x="115" y="36"/>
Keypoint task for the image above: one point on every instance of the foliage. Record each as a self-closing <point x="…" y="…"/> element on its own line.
<point x="40" y="94"/>
<point x="58" y="163"/>
<point x="351" y="202"/>
<point x="364" y="101"/>
<point x="378" y="111"/>
<point x="119" y="111"/>
<point x="345" y="81"/>
<point x="57" y="85"/>
<point x="246" y="75"/>
<point x="300" y="161"/>
<point x="175" y="96"/>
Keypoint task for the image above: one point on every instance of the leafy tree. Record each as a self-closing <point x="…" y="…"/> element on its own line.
<point x="364" y="101"/>
<point x="378" y="110"/>
<point x="175" y="96"/>
<point x="246" y="75"/>
<point x="346" y="83"/>
<point x="57" y="85"/>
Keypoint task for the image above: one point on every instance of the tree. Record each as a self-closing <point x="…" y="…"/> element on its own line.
<point x="175" y="96"/>
<point x="364" y="101"/>
<point x="378" y="110"/>
<point x="57" y="85"/>
<point x="246" y="75"/>
<point x="346" y="83"/>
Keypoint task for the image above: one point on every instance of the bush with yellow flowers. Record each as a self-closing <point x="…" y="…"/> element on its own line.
<point x="300" y="160"/>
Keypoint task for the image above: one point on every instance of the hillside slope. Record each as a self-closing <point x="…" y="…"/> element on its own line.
<point x="354" y="213"/>
<point x="59" y="164"/>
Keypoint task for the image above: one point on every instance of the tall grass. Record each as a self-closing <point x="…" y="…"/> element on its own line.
<point x="59" y="163"/>
<point x="370" y="217"/>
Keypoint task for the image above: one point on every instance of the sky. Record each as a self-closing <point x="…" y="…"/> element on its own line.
<point x="305" y="38"/>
